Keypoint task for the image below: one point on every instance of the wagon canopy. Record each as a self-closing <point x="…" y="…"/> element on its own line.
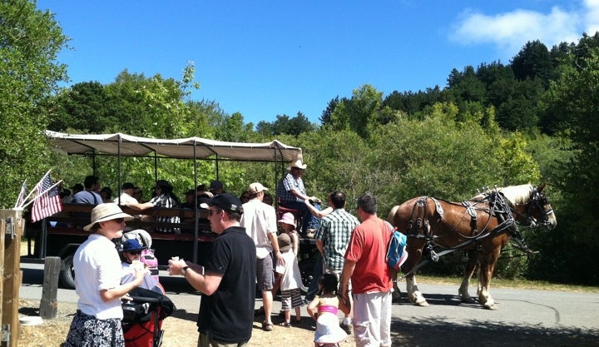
<point x="187" y="148"/>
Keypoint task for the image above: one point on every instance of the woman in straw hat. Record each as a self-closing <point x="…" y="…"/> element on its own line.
<point x="97" y="282"/>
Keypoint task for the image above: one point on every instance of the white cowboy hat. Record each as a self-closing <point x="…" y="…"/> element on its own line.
<point x="298" y="164"/>
<point x="106" y="212"/>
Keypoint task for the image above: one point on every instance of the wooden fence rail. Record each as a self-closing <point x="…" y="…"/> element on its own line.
<point x="11" y="229"/>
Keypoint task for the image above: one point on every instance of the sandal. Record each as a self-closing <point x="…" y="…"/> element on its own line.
<point x="266" y="326"/>
<point x="298" y="321"/>
<point x="285" y="324"/>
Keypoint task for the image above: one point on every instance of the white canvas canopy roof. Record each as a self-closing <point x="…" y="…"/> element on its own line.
<point x="187" y="148"/>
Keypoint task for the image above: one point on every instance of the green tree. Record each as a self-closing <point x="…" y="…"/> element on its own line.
<point x="533" y="61"/>
<point x="575" y="241"/>
<point x="286" y="125"/>
<point x="83" y="107"/>
<point x="30" y="40"/>
<point x="325" y="118"/>
<point x="362" y="112"/>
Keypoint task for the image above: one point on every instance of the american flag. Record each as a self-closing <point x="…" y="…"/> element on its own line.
<point x="45" y="204"/>
<point x="21" y="197"/>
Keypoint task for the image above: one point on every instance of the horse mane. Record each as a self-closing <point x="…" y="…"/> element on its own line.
<point x="516" y="195"/>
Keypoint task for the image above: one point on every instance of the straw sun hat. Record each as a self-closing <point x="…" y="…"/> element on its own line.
<point x="106" y="212"/>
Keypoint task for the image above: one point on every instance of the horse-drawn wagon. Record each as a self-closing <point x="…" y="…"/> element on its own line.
<point x="61" y="234"/>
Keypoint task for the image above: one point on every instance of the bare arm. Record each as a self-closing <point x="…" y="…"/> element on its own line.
<point x="313" y="308"/>
<point x="140" y="207"/>
<point x="343" y="306"/>
<point x="207" y="284"/>
<point x="295" y="241"/>
<point x="120" y="290"/>
<point x="320" y="247"/>
<point x="348" y="270"/>
<point x="299" y="195"/>
<point x="275" y="247"/>
<point x="315" y="212"/>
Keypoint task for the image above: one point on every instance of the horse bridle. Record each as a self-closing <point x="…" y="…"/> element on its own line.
<point x="539" y="200"/>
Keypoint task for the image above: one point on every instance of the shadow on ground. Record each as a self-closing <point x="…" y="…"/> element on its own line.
<point x="416" y="332"/>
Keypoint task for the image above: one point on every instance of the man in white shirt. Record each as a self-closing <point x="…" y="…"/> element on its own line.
<point x="260" y="223"/>
<point x="126" y="196"/>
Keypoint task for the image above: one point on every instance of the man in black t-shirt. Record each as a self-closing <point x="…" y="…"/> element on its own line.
<point x="227" y="279"/>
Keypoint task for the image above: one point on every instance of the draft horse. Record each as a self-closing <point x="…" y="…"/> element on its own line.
<point x="481" y="226"/>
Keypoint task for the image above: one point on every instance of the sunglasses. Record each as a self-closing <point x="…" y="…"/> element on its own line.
<point x="119" y="220"/>
<point x="134" y="252"/>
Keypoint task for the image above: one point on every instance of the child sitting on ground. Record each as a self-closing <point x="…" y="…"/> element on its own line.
<point x="291" y="281"/>
<point x="324" y="310"/>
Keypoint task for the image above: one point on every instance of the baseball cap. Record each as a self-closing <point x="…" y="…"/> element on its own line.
<point x="216" y="184"/>
<point x="256" y="187"/>
<point x="226" y="201"/>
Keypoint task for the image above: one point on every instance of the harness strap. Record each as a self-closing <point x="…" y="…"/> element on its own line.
<point x="472" y="212"/>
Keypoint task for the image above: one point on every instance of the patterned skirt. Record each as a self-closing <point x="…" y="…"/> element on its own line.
<point x="88" y="331"/>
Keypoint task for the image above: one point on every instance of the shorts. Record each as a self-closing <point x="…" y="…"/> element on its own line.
<point x="291" y="298"/>
<point x="265" y="273"/>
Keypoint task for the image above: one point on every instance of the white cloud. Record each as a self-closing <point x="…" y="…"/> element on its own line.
<point x="591" y="17"/>
<point x="510" y="31"/>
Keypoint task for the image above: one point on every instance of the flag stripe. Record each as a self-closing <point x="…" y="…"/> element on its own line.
<point x="45" y="204"/>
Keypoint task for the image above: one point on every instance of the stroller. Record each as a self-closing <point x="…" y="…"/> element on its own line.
<point x="142" y="317"/>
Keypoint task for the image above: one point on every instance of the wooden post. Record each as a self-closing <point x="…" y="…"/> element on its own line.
<point x="14" y="226"/>
<point x="2" y="233"/>
<point x="49" y="303"/>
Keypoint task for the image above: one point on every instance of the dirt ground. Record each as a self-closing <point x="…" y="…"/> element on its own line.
<point x="180" y="331"/>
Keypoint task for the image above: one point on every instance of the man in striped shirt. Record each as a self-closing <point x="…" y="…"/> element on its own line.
<point x="333" y="237"/>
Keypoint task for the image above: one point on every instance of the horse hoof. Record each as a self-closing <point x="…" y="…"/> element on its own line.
<point x="468" y="300"/>
<point x="421" y="303"/>
<point x="490" y="307"/>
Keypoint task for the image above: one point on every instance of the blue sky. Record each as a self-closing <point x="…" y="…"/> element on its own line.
<point x="269" y="58"/>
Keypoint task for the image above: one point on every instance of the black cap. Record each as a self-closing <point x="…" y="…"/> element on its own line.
<point x="128" y="185"/>
<point x="226" y="201"/>
<point x="216" y="184"/>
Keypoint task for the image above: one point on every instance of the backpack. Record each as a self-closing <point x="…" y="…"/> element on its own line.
<point x="396" y="250"/>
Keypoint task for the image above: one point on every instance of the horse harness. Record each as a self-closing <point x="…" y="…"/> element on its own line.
<point x="496" y="207"/>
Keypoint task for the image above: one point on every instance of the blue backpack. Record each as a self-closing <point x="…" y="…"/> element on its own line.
<point x="396" y="251"/>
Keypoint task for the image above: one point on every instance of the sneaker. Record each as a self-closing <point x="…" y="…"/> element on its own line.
<point x="346" y="328"/>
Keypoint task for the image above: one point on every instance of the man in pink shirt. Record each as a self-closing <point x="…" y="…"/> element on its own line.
<point x="370" y="277"/>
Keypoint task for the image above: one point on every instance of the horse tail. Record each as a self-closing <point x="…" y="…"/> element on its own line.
<point x="391" y="215"/>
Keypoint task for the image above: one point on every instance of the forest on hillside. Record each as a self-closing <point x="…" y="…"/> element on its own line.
<point x="533" y="120"/>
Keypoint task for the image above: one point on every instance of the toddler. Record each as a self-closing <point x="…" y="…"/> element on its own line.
<point x="291" y="280"/>
<point x="324" y="310"/>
